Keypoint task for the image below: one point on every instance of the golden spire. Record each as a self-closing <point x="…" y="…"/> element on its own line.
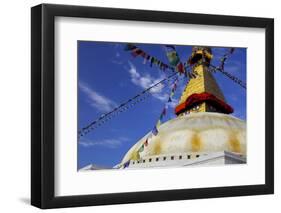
<point x="202" y="94"/>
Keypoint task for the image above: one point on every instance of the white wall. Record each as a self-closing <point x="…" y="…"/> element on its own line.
<point x="15" y="105"/>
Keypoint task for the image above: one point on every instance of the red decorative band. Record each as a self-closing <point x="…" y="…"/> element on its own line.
<point x="195" y="99"/>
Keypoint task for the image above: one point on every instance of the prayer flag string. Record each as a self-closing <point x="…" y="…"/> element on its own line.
<point x="230" y="76"/>
<point x="225" y="57"/>
<point x="124" y="106"/>
<point x="175" y="64"/>
<point x="220" y="68"/>
<point x="155" y="129"/>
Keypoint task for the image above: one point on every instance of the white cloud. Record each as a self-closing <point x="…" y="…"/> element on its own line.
<point x="144" y="81"/>
<point x="97" y="100"/>
<point x="117" y="62"/>
<point x="109" y="143"/>
<point x="117" y="59"/>
<point x="117" y="53"/>
<point x="173" y="104"/>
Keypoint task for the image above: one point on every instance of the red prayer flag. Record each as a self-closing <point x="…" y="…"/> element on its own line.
<point x="146" y="142"/>
<point x="180" y="68"/>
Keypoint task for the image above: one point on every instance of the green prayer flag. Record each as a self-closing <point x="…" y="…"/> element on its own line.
<point x="141" y="148"/>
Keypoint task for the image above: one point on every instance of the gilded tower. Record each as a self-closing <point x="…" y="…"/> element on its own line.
<point x="202" y="93"/>
<point x="211" y="137"/>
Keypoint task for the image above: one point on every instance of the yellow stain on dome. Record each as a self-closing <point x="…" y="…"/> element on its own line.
<point x="188" y="134"/>
<point x="196" y="142"/>
<point x="134" y="155"/>
<point x="234" y="143"/>
<point x="157" y="149"/>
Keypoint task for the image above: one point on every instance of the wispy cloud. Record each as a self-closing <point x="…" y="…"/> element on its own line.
<point x="173" y="104"/>
<point x="117" y="57"/>
<point x="108" y="143"/>
<point x="117" y="54"/>
<point x="96" y="100"/>
<point x="146" y="80"/>
<point x="117" y="62"/>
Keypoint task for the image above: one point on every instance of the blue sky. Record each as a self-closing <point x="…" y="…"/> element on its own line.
<point x="108" y="76"/>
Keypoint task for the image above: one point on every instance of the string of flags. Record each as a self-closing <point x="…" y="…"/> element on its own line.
<point x="230" y="76"/>
<point x="108" y="116"/>
<point x="180" y="67"/>
<point x="155" y="130"/>
<point x="136" y="51"/>
<point x="220" y="68"/>
<point x="225" y="57"/>
<point x="140" y="97"/>
<point x="175" y="64"/>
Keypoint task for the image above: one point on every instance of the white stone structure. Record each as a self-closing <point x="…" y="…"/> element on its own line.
<point x="187" y="159"/>
<point x="202" y="138"/>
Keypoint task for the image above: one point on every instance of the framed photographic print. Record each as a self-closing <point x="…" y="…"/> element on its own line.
<point x="140" y="106"/>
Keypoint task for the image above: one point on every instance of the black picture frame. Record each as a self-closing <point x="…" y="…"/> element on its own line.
<point x="43" y="102"/>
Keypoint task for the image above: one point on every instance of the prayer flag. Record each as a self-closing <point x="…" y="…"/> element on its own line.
<point x="173" y="58"/>
<point x="170" y="99"/>
<point x="126" y="164"/>
<point x="164" y="111"/>
<point x="141" y="148"/>
<point x="155" y="131"/>
<point x="129" y="47"/>
<point x="136" y="52"/>
<point x="161" y="116"/>
<point x="146" y="142"/>
<point x="158" y="123"/>
<point x="170" y="46"/>
<point x="180" y="68"/>
<point x="151" y="61"/>
<point x="143" y="54"/>
<point x="172" y="55"/>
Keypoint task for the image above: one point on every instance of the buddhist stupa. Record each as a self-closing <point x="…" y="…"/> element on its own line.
<point x="204" y="131"/>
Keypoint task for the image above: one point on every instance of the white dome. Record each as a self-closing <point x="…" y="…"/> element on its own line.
<point x="196" y="132"/>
